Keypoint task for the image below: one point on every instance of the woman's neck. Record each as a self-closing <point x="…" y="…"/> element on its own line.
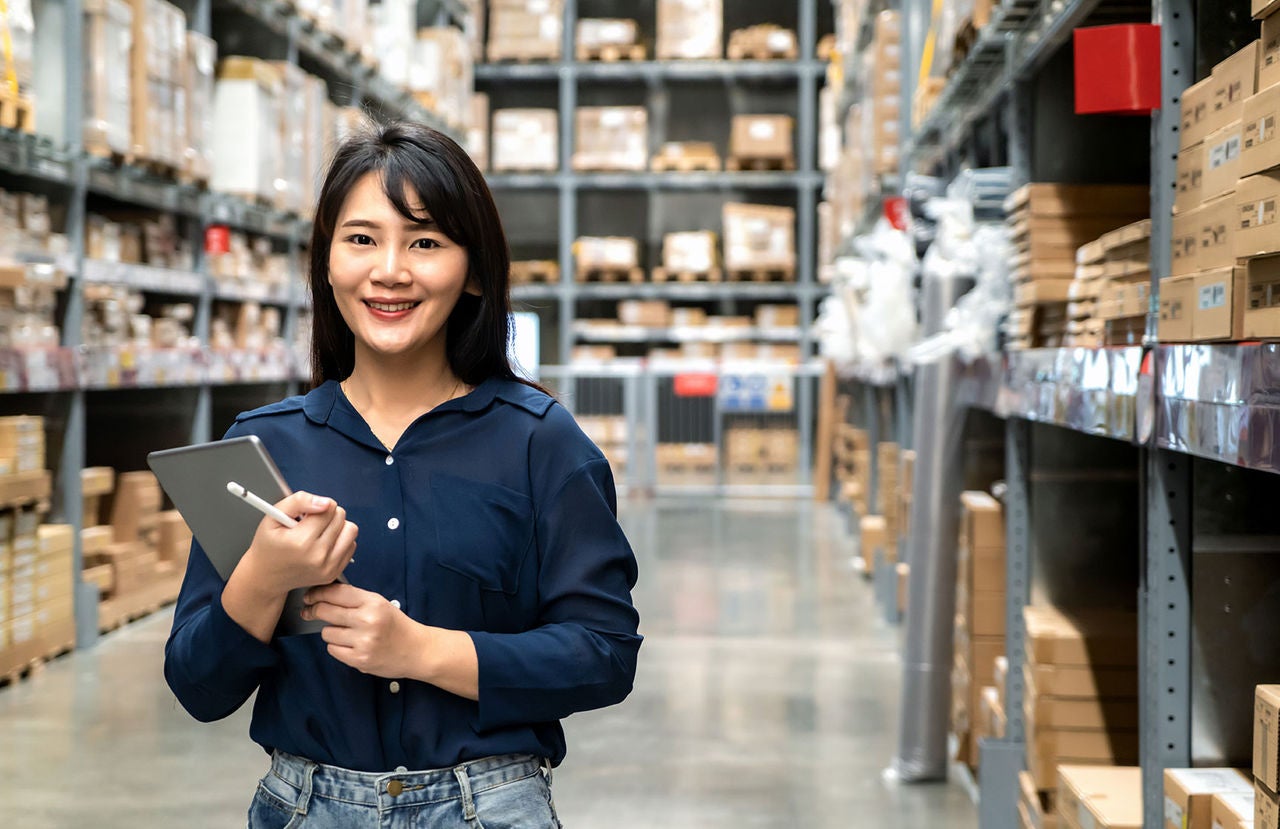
<point x="394" y="388"/>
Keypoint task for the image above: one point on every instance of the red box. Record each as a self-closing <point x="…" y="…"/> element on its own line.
<point x="1118" y="69"/>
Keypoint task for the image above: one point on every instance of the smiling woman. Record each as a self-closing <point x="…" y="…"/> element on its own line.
<point x="492" y="594"/>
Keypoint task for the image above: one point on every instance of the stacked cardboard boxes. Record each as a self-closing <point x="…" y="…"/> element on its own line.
<point x="444" y="74"/>
<point x="1080" y="690"/>
<point x="1266" y="756"/>
<point x="525" y="30"/>
<point x="759" y="239"/>
<point x="690" y="29"/>
<point x="525" y="140"/>
<point x="761" y="142"/>
<point x="689" y="256"/>
<point x="611" y="435"/>
<point x="1049" y="223"/>
<point x="478" y="131"/>
<point x="761" y="456"/>
<point x="1189" y="795"/>
<point x="199" y="81"/>
<point x="607" y="257"/>
<point x="852" y="452"/>
<point x="1120" y="262"/>
<point x="979" y="621"/>
<point x="608" y="39"/>
<point x="883" y="105"/>
<point x="611" y="138"/>
<point x="1099" y="797"/>
<point x="158" y="96"/>
<point x="763" y="42"/>
<point x="1233" y="810"/>
<point x="247" y="153"/>
<point x="108" y="37"/>
<point x="686" y="464"/>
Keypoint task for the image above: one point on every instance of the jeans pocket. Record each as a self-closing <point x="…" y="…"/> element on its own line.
<point x="520" y="804"/>
<point x="276" y="804"/>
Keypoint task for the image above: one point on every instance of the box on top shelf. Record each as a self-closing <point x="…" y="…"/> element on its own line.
<point x="1269" y="56"/>
<point x="1189" y="793"/>
<point x="246" y="128"/>
<point x="443" y="76"/>
<point x="158" y="58"/>
<point x="759" y="237"/>
<point x="611" y="138"/>
<point x="525" y="140"/>
<point x="1223" y="163"/>
<point x="690" y="29"/>
<point x="1255" y="216"/>
<point x="201" y="64"/>
<point x="1264" y="8"/>
<point x="763" y="42"/>
<point x="1197" y="106"/>
<point x="525" y="29"/>
<point x="108" y="117"/>
<point x="608" y="39"/>
<point x="1260" y="151"/>
<point x="1234" y="80"/>
<point x="478" y="131"/>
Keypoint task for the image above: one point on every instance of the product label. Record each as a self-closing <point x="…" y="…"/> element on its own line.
<point x="1213" y="296"/>
<point x="1224" y="153"/>
<point x="761" y="130"/>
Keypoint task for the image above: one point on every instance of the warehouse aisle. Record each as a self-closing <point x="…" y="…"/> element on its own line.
<point x="767" y="698"/>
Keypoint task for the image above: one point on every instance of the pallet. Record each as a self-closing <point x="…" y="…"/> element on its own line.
<point x="685" y="164"/>
<point x="634" y="275"/>
<point x="761" y="275"/>
<point x="738" y="164"/>
<point x="27" y="660"/>
<point x="106" y="153"/>
<point x="17" y="112"/>
<point x="665" y="275"/>
<point x="118" y="611"/>
<point x="535" y="270"/>
<point x="589" y="163"/>
<point x="753" y="44"/>
<point x="530" y="56"/>
<point x="611" y="53"/>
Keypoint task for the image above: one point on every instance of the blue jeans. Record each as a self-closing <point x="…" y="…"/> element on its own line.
<point x="512" y="791"/>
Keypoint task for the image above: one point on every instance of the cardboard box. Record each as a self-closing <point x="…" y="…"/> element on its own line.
<point x="1177" y="309"/>
<point x="1264" y="8"/>
<point x="1219" y="308"/>
<point x="690" y="29"/>
<point x="1232" y="810"/>
<point x="1262" y="298"/>
<point x="108" y="37"/>
<point x="1191" y="163"/>
<point x="874" y="538"/>
<point x="247" y="150"/>
<point x="1102" y="797"/>
<point x="611" y="138"/>
<point x="525" y="140"/>
<point x="1234" y="80"/>
<point x="649" y="313"/>
<point x="693" y="251"/>
<point x="1266" y="736"/>
<point x="1222" y="165"/>
<point x="1260" y="149"/>
<point x="1269" y="57"/>
<point x="762" y="137"/>
<point x="1255" y="217"/>
<point x="1188" y="794"/>
<point x="1097" y="638"/>
<point x="1197" y="104"/>
<point x="981" y="522"/>
<point x="1217" y="234"/>
<point x="1266" y="809"/>
<point x="606" y="252"/>
<point x="759" y="236"/>
<point x="1186" y="242"/>
<point x="478" y="130"/>
<point x="525" y="30"/>
<point x="988" y="615"/>
<point x="593" y="34"/>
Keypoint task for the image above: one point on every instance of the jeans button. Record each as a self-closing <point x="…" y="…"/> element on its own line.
<point x="394" y="788"/>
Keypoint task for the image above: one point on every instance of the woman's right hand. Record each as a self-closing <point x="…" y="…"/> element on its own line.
<point x="315" y="552"/>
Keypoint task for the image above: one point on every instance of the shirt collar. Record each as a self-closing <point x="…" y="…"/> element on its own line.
<point x="319" y="403"/>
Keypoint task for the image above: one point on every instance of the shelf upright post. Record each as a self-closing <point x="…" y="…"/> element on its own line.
<point x="806" y="202"/>
<point x="67" y="495"/>
<point x="1003" y="759"/>
<point x="1164" y="632"/>
<point x="871" y="412"/>
<point x="568" y="197"/>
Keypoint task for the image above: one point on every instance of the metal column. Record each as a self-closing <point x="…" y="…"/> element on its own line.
<point x="568" y="197"/>
<point x="1164" y="632"/>
<point x="1003" y="759"/>
<point x="806" y="234"/>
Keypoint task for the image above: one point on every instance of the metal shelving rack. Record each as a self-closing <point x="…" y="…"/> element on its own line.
<point x="1200" y="420"/>
<point x="653" y="79"/>
<point x="183" y="403"/>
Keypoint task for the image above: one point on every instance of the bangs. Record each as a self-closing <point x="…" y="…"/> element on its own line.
<point x="424" y="176"/>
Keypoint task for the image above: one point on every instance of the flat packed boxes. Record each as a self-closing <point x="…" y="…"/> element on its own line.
<point x="759" y="242"/>
<point x="761" y="142"/>
<point x="611" y="138"/>
<point x="608" y="40"/>
<point x="1189" y="795"/>
<point x="1117" y="270"/>
<point x="37" y="615"/>
<point x="755" y="456"/>
<point x="1049" y="223"/>
<point x="525" y="140"/>
<point x="686" y="464"/>
<point x="1102" y="797"/>
<point x="1080" y="702"/>
<point x="689" y="256"/>
<point x="525" y="30"/>
<point x="690" y="29"/>
<point x="607" y="259"/>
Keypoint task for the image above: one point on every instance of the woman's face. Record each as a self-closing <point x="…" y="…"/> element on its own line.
<point x="395" y="281"/>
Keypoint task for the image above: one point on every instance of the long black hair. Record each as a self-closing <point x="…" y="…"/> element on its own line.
<point x="453" y="192"/>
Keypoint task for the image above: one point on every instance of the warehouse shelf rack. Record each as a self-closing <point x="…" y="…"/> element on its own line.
<point x="145" y="398"/>
<point x="568" y="79"/>
<point x="682" y="334"/>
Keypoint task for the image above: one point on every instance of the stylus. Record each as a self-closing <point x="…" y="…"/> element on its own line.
<point x="260" y="505"/>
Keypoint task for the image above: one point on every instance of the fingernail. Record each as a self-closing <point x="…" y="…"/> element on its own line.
<point x="320" y="502"/>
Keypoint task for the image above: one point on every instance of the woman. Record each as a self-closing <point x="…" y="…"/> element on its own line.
<point x="491" y="596"/>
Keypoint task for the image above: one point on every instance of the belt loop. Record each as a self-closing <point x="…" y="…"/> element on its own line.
<point x="464" y="783"/>
<point x="546" y="768"/>
<point x="304" y="799"/>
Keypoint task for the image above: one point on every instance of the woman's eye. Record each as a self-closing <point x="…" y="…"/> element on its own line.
<point x="426" y="244"/>
<point x="360" y="239"/>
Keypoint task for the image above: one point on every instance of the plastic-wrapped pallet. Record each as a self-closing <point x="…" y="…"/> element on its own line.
<point x="291" y="133"/>
<point x="759" y="237"/>
<point x="525" y="29"/>
<point x="108" y="36"/>
<point x="478" y="130"/>
<point x="22" y="43"/>
<point x="443" y="75"/>
<point x="318" y="131"/>
<point x="157" y="67"/>
<point x="393" y="24"/>
<point x="246" y="145"/>
<point x="690" y="29"/>
<point x="201" y="62"/>
<point x="525" y="139"/>
<point x="612" y="138"/>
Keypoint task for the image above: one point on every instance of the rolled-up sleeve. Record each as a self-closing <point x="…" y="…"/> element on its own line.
<point x="583" y="653"/>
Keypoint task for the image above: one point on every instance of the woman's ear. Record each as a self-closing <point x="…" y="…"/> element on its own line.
<point x="473" y="286"/>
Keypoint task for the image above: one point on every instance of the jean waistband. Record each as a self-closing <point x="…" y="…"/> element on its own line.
<point x="400" y="788"/>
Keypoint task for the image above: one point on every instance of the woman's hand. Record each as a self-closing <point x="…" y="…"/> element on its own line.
<point x="314" y="552"/>
<point x="368" y="632"/>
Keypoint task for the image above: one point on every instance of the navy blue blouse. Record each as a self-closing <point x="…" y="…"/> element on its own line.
<point x="494" y="515"/>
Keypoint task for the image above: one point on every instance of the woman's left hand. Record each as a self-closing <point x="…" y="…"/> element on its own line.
<point x="366" y="631"/>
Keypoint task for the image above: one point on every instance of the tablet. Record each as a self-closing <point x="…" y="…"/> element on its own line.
<point x="195" y="478"/>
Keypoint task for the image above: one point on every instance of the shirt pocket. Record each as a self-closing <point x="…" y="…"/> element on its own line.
<point x="483" y="531"/>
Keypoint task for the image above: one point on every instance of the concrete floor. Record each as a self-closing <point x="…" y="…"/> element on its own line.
<point x="767" y="697"/>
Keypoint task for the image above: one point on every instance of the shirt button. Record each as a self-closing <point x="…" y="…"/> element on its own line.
<point x="402" y="769"/>
<point x="395" y="603"/>
<point x="394" y="686"/>
<point x="393" y="523"/>
<point x="390" y="460"/>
